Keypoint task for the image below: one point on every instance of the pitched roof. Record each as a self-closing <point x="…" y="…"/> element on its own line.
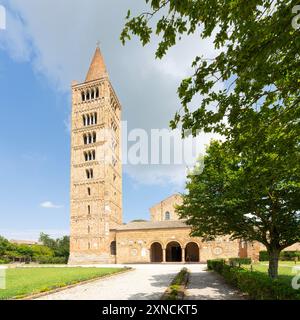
<point x="97" y="68"/>
<point x="153" y="225"/>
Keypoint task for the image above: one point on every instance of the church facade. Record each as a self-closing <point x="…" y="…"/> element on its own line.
<point x="98" y="234"/>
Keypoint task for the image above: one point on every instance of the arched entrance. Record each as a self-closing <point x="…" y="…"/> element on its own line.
<point x="173" y="252"/>
<point x="192" y="252"/>
<point x="156" y="252"/>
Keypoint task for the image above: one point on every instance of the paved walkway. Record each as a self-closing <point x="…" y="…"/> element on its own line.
<point x="208" y="285"/>
<point x="148" y="282"/>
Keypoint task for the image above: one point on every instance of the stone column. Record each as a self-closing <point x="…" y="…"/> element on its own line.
<point x="183" y="255"/>
<point x="164" y="255"/>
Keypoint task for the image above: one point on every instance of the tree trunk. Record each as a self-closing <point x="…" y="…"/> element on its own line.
<point x="273" y="262"/>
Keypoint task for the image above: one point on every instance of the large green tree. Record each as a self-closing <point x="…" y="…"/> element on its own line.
<point x="60" y="246"/>
<point x="258" y="62"/>
<point x="252" y="194"/>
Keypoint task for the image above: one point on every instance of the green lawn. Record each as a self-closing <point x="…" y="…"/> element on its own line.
<point x="25" y="281"/>
<point x="285" y="269"/>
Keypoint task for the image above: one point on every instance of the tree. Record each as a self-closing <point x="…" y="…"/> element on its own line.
<point x="60" y="246"/>
<point x="257" y="59"/>
<point x="47" y="241"/>
<point x="63" y="247"/>
<point x="252" y="194"/>
<point x="4" y="246"/>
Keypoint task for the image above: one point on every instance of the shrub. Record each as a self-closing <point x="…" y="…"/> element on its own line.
<point x="284" y="255"/>
<point x="239" y="261"/>
<point x="263" y="256"/>
<point x="52" y="260"/>
<point x="4" y="261"/>
<point x="289" y="255"/>
<point x="256" y="284"/>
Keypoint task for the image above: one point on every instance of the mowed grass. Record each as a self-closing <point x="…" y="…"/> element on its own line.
<point x="285" y="269"/>
<point x="22" y="282"/>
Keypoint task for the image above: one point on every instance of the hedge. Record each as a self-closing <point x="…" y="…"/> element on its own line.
<point x="284" y="255"/>
<point x="256" y="284"/>
<point x="52" y="260"/>
<point x="239" y="261"/>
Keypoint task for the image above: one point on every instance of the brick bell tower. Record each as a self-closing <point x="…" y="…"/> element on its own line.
<point x="96" y="168"/>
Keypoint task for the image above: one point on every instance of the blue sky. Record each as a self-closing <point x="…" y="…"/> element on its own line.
<point x="41" y="52"/>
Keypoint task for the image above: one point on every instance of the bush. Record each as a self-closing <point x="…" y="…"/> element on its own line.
<point x="52" y="260"/>
<point x="4" y="261"/>
<point x="263" y="256"/>
<point x="256" y="284"/>
<point x="289" y="255"/>
<point x="239" y="261"/>
<point x="284" y="255"/>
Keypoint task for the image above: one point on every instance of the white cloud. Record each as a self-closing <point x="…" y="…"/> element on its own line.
<point x="50" y="205"/>
<point x="59" y="37"/>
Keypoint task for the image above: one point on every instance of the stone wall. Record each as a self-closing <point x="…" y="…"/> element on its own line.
<point x="135" y="246"/>
<point x="159" y="210"/>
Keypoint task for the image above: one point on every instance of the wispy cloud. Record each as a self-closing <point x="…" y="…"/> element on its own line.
<point x="50" y="205"/>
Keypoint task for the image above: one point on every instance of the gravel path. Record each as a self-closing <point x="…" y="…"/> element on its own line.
<point x="149" y="282"/>
<point x="208" y="285"/>
<point x="146" y="282"/>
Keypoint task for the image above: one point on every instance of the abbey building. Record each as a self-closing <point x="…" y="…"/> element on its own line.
<point x="98" y="234"/>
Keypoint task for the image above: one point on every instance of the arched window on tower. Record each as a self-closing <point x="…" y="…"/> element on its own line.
<point x="167" y="215"/>
<point x="89" y="209"/>
<point x="83" y="96"/>
<point x="88" y="95"/>
<point x="85" y="139"/>
<point x="97" y="93"/>
<point x="89" y="191"/>
<point x="88" y="174"/>
<point x="95" y="118"/>
<point x="94" y="137"/>
<point x="92" y="94"/>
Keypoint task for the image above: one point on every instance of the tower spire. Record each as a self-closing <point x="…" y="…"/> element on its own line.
<point x="97" y="68"/>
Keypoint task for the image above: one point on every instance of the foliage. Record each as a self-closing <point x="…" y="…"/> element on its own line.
<point x="53" y="251"/>
<point x="52" y="260"/>
<point x="256" y="60"/>
<point x="239" y="261"/>
<point x="250" y="185"/>
<point x="176" y="289"/>
<point x="256" y="284"/>
<point x="253" y="195"/>
<point x="59" y="246"/>
<point x="284" y="256"/>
